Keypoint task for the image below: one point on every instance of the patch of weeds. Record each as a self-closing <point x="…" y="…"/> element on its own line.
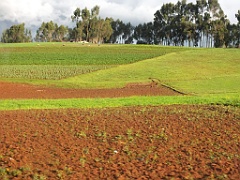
<point x="82" y="161"/>
<point x="25" y="169"/>
<point x="126" y="150"/>
<point x="39" y="177"/>
<point x="15" y="172"/>
<point x="130" y="134"/>
<point x="138" y="134"/>
<point x="85" y="150"/>
<point x="68" y="170"/>
<point x="162" y="135"/>
<point x="102" y="135"/>
<point x="222" y="177"/>
<point x="60" y="174"/>
<point x="3" y="174"/>
<point x="97" y="159"/>
<point x="81" y="134"/>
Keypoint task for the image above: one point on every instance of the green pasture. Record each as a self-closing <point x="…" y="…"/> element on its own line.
<point x="220" y="99"/>
<point x="208" y="76"/>
<point x="200" y="71"/>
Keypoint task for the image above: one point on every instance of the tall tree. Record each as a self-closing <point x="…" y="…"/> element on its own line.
<point x="88" y="23"/>
<point x="76" y="18"/>
<point x="16" y="34"/>
<point x="164" y="21"/>
<point x="238" y="28"/>
<point x="144" y="33"/>
<point x="50" y="31"/>
<point x="103" y="30"/>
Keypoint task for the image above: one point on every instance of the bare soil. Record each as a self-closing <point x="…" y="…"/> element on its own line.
<point x="25" y="91"/>
<point x="164" y="142"/>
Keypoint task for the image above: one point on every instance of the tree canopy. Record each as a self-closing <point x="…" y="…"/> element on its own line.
<point x="199" y="24"/>
<point x="16" y="34"/>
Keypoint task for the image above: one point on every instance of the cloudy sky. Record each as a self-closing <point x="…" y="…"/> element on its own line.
<point x="34" y="12"/>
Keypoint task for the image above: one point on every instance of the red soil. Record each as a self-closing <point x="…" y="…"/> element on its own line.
<point x="24" y="91"/>
<point x="165" y="142"/>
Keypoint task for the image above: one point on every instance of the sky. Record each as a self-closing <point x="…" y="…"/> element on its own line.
<point x="34" y="12"/>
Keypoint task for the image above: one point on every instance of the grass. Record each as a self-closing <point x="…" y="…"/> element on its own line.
<point x="219" y="99"/>
<point x="200" y="71"/>
<point x="208" y="76"/>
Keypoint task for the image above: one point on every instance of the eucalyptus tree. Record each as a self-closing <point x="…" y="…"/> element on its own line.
<point x="180" y="22"/>
<point x="122" y="33"/>
<point x="50" y="31"/>
<point x="61" y="32"/>
<point x="200" y="10"/>
<point x="77" y="31"/>
<point x="88" y="24"/>
<point x="46" y="32"/>
<point x="138" y="34"/>
<point x="16" y="34"/>
<point x="216" y="13"/>
<point x="144" y="33"/>
<point x="163" y="21"/>
<point x="117" y="31"/>
<point x="238" y="28"/>
<point x="127" y="32"/>
<point x="103" y="30"/>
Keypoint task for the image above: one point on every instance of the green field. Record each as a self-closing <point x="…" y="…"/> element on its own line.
<point x="204" y="75"/>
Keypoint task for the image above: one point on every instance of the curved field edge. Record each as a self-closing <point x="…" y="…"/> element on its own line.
<point x="77" y="54"/>
<point x="201" y="71"/>
<point x="86" y="103"/>
<point x="190" y="71"/>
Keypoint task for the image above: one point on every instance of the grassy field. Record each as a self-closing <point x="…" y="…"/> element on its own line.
<point x="204" y="75"/>
<point x="192" y="72"/>
<point x="220" y="99"/>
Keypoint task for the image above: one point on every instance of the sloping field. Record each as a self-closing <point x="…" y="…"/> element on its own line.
<point x="191" y="71"/>
<point x="205" y="75"/>
<point x="207" y="71"/>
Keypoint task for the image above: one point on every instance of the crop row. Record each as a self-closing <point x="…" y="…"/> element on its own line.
<point x="79" y="55"/>
<point x="49" y="72"/>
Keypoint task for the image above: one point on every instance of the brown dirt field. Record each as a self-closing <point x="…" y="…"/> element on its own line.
<point x="24" y="91"/>
<point x="164" y="142"/>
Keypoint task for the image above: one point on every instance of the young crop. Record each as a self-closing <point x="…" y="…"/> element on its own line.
<point x="81" y="134"/>
<point x="39" y="177"/>
<point x="82" y="161"/>
<point x="47" y="72"/>
<point x="79" y="55"/>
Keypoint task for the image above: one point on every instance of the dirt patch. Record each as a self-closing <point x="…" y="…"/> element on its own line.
<point x="164" y="142"/>
<point x="24" y="91"/>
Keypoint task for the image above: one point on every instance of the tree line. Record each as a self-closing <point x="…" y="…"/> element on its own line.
<point x="200" y="24"/>
<point x="16" y="34"/>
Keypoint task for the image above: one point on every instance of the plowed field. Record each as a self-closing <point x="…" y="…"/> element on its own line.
<point x="24" y="91"/>
<point x="165" y="142"/>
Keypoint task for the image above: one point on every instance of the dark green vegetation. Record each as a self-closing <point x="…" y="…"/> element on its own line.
<point x="78" y="54"/>
<point x="200" y="24"/>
